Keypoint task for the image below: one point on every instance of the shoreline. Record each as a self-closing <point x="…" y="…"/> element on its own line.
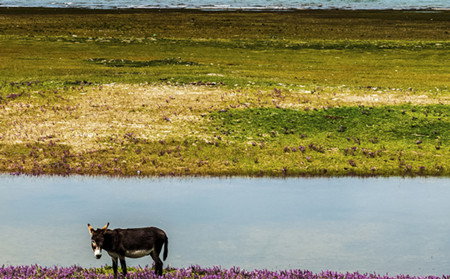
<point x="213" y="9"/>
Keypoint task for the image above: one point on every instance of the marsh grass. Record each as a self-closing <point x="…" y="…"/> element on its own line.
<point x="395" y="64"/>
<point x="205" y="93"/>
<point x="192" y="24"/>
<point x="203" y="130"/>
<point x="138" y="64"/>
<point x="343" y="140"/>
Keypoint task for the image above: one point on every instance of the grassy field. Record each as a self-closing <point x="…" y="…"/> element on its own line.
<point x="150" y="92"/>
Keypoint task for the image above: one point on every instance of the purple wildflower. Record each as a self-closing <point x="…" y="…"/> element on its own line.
<point x="194" y="271"/>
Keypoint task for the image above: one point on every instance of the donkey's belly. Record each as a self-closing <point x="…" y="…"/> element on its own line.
<point x="137" y="253"/>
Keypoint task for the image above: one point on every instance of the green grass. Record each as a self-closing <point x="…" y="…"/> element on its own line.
<point x="357" y="138"/>
<point x="186" y="24"/>
<point x="199" y="131"/>
<point x="416" y="65"/>
<point x="224" y="93"/>
<point x="395" y="123"/>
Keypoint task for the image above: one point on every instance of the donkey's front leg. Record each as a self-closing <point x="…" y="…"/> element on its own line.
<point x="114" y="262"/>
<point x="124" y="266"/>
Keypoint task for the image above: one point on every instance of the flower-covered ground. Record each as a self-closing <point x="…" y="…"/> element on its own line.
<point x="35" y="271"/>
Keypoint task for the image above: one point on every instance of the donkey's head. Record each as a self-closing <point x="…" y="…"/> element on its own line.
<point x="97" y="238"/>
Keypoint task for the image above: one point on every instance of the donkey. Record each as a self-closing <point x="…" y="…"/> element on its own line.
<point x="132" y="243"/>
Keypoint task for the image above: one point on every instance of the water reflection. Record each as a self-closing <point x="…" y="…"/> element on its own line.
<point x="380" y="225"/>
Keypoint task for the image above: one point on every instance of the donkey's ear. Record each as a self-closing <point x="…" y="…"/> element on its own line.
<point x="91" y="229"/>
<point x="105" y="227"/>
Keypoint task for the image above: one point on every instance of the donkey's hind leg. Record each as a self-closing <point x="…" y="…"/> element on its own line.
<point x="158" y="263"/>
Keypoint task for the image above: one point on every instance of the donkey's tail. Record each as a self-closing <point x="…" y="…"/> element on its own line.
<point x="166" y="248"/>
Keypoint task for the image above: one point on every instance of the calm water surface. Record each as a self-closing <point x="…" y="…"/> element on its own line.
<point x="380" y="225"/>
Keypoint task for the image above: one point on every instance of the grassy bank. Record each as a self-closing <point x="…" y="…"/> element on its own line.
<point x="192" y="24"/>
<point x="208" y="93"/>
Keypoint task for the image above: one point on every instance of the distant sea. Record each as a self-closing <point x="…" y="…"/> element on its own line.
<point x="237" y="4"/>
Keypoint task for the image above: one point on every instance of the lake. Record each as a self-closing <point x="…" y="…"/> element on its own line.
<point x="382" y="225"/>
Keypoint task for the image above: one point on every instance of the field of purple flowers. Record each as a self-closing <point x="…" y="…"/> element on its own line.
<point x="35" y="271"/>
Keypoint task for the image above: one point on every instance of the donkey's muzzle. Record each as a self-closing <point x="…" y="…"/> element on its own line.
<point x="98" y="253"/>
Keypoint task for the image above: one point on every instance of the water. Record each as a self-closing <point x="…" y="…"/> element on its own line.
<point x="384" y="225"/>
<point x="235" y="4"/>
